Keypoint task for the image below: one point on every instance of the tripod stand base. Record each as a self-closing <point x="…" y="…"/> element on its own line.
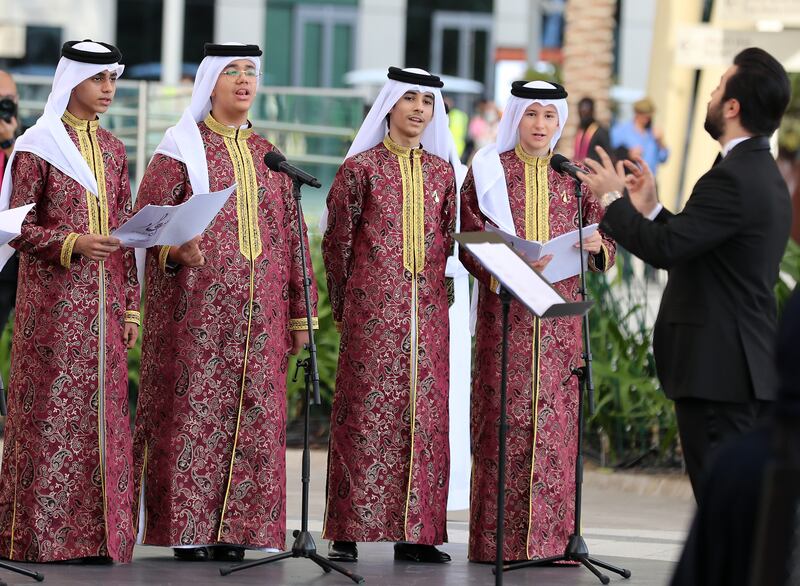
<point x="303" y="547"/>
<point x="35" y="575"/>
<point x="576" y="551"/>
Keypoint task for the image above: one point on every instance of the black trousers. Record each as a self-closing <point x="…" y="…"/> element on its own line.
<point x="705" y="425"/>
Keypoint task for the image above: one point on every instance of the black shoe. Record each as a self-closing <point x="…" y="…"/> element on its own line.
<point x="227" y="553"/>
<point x="191" y="554"/>
<point x="342" y="551"/>
<point x="414" y="552"/>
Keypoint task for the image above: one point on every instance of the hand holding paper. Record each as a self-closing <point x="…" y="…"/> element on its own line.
<point x="95" y="246"/>
<point x="188" y="254"/>
<point x="566" y="258"/>
<point x="172" y="225"/>
<point x="11" y="222"/>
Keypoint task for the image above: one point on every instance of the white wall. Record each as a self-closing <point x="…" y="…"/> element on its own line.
<point x="381" y="39"/>
<point x="79" y="19"/>
<point x="241" y="21"/>
<point x="511" y="23"/>
<point x="635" y="46"/>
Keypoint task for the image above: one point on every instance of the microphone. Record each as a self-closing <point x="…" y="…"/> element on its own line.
<point x="277" y="162"/>
<point x="562" y="164"/>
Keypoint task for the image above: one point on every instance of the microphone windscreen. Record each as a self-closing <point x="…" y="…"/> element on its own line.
<point x="273" y="160"/>
<point x="556" y="161"/>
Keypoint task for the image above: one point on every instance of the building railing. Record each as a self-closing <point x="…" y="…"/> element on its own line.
<point x="313" y="127"/>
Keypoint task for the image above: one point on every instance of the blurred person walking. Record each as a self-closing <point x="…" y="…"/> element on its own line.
<point x="590" y="133"/>
<point x="638" y="137"/>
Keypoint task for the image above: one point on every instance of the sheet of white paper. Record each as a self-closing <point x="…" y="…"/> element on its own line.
<point x="516" y="275"/>
<point x="172" y="225"/>
<point x="11" y="222"/>
<point x="566" y="261"/>
<point x="532" y="249"/>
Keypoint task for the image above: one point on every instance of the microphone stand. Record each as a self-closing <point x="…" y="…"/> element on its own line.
<point x="577" y="550"/>
<point x="304" y="545"/>
<point x="11" y="568"/>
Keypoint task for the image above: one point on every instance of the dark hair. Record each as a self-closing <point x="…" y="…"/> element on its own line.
<point x="762" y="88"/>
<point x="587" y="101"/>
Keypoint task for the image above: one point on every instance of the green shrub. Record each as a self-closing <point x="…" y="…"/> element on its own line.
<point x="632" y="417"/>
<point x="790" y="273"/>
<point x="327" y="342"/>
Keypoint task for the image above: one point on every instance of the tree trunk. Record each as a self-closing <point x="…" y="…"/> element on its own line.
<point x="588" y="60"/>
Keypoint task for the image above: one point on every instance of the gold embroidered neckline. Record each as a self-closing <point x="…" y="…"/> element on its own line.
<point x="78" y="123"/>
<point x="219" y="128"/>
<point x="400" y="150"/>
<point x="531" y="159"/>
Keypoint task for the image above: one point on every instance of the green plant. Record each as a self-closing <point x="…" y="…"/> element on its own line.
<point x="632" y="417"/>
<point x="327" y="341"/>
<point x="789" y="275"/>
<point x="5" y="350"/>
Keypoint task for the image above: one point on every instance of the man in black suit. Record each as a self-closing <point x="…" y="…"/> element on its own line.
<point x="745" y="530"/>
<point x="713" y="336"/>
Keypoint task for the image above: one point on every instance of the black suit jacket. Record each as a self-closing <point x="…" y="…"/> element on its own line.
<point x="714" y="334"/>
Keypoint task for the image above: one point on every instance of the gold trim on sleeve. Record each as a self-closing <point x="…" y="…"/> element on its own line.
<point x="301" y="324"/>
<point x="494" y="285"/>
<point x="66" y="249"/>
<point x="163" y="255"/>
<point x="133" y="317"/>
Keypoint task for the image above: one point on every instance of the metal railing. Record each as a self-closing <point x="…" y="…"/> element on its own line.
<point x="312" y="126"/>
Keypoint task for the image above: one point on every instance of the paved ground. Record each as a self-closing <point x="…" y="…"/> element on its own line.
<point x="633" y="521"/>
<point x="153" y="566"/>
<point x="624" y="515"/>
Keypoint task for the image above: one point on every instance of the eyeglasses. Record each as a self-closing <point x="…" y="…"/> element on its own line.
<point x="249" y="73"/>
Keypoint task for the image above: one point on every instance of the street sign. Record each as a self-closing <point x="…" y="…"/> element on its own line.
<point x="786" y="11"/>
<point x="700" y="46"/>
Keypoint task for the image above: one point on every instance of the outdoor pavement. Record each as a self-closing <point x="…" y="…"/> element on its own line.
<point x="636" y="521"/>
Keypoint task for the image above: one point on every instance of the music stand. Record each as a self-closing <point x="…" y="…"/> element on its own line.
<point x="517" y="281"/>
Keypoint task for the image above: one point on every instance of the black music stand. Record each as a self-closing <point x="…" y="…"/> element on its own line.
<point x="517" y="281"/>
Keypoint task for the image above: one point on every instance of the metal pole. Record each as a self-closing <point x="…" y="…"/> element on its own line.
<point x="172" y="41"/>
<point x="534" y="32"/>
<point x="141" y="135"/>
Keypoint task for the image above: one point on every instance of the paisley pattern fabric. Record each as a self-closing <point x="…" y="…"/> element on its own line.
<point x="211" y="424"/>
<point x="66" y="488"/>
<point x="542" y="398"/>
<point x="385" y="251"/>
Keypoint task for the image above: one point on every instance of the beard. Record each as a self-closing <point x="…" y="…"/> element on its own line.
<point x="714" y="124"/>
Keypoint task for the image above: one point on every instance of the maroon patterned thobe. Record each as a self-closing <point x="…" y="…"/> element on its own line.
<point x="391" y="214"/>
<point x="211" y="423"/>
<point x="66" y="489"/>
<point x="542" y="401"/>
